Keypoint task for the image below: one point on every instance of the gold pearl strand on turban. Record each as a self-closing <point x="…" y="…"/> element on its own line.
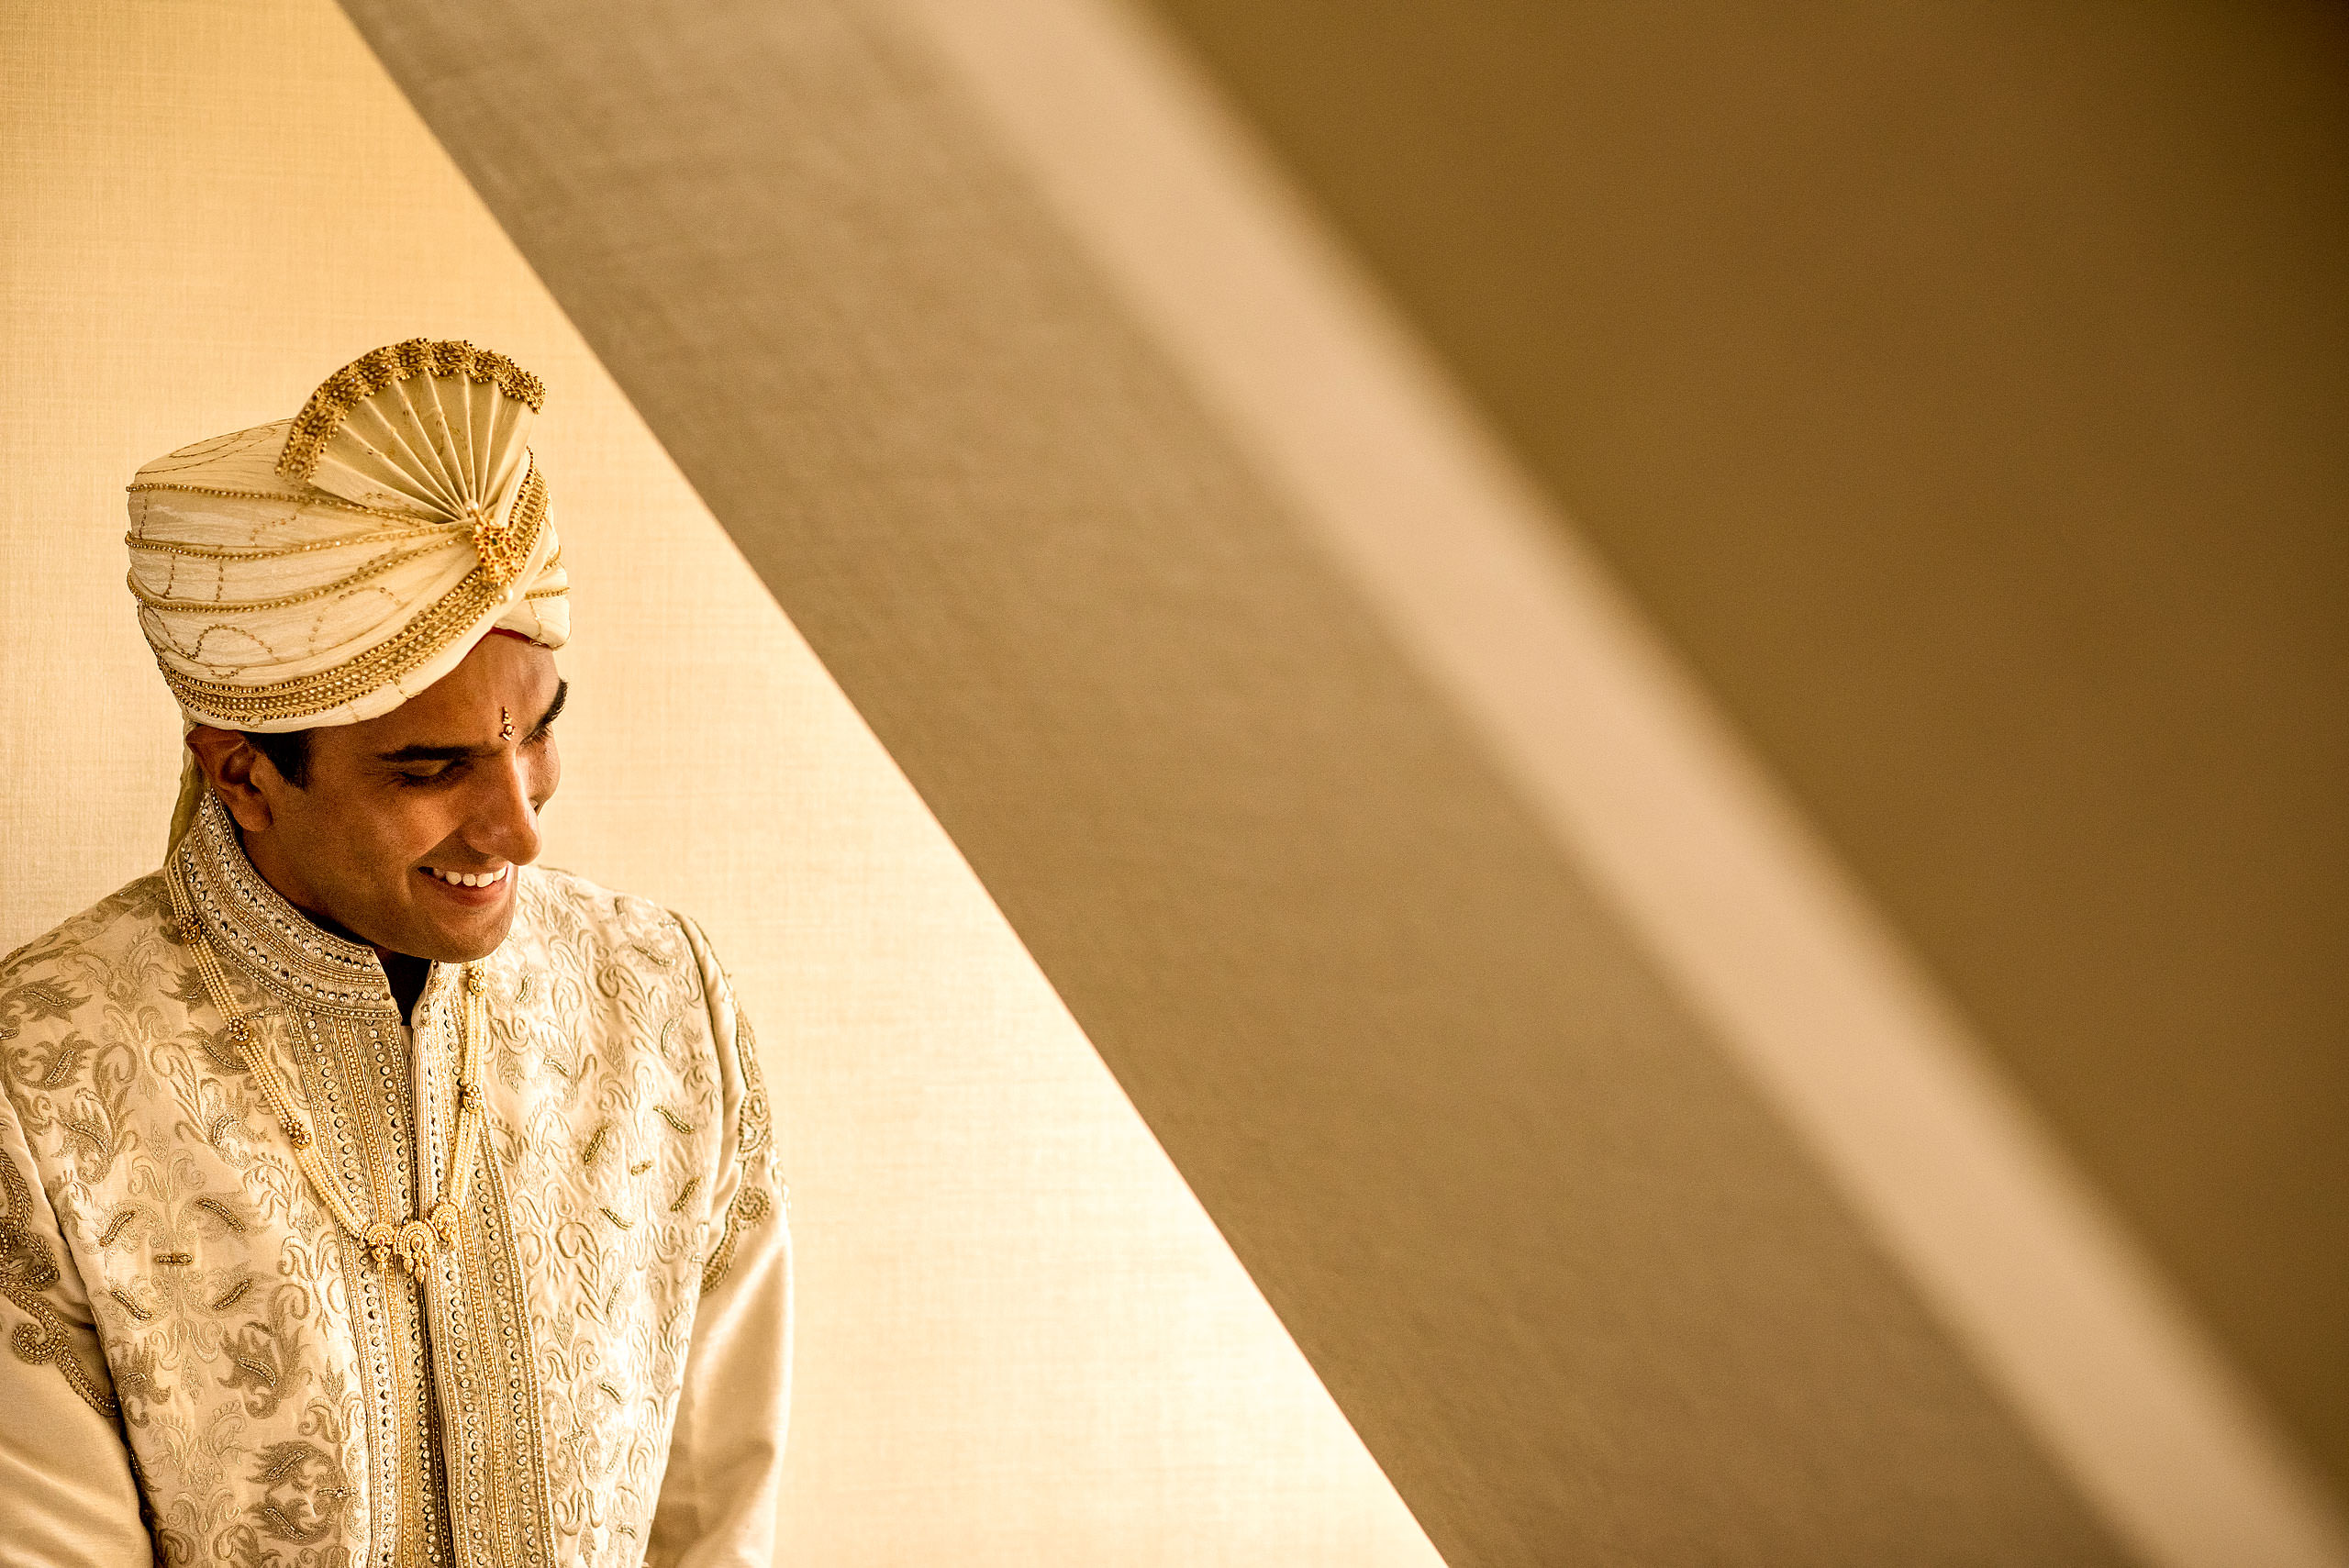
<point x="325" y="569"/>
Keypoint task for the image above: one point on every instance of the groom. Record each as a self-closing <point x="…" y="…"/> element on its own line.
<point x="368" y="1194"/>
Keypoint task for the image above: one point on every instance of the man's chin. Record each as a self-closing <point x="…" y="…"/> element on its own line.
<point x="445" y="936"/>
<point x="477" y="941"/>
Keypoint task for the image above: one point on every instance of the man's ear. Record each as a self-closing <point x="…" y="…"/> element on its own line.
<point x="230" y="764"/>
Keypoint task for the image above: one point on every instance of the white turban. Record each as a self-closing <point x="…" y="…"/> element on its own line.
<point x="325" y="569"/>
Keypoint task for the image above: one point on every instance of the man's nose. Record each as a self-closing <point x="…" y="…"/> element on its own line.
<point x="504" y="822"/>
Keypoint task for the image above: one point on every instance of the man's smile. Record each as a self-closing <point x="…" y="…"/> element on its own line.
<point x="468" y="879"/>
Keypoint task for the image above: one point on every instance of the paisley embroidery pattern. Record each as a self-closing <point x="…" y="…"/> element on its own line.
<point x="27" y="1271"/>
<point x="289" y="1404"/>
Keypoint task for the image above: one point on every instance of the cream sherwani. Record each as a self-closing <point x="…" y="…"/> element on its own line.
<point x="201" y="1364"/>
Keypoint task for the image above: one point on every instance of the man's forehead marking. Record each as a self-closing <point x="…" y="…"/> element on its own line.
<point x="426" y="752"/>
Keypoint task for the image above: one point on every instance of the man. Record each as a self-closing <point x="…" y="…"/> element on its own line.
<point x="368" y="1194"/>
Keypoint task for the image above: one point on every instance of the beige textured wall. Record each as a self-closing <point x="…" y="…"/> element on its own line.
<point x="1021" y="1341"/>
<point x="1960" y="388"/>
<point x="1290" y="341"/>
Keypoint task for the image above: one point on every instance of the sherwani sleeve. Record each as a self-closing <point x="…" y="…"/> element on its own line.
<point x="65" y="1471"/>
<point x="721" y="1492"/>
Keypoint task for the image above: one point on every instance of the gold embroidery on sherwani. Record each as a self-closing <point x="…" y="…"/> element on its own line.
<point x="434" y="1223"/>
<point x="753" y="1200"/>
<point x="319" y="1008"/>
<point x="28" y="1269"/>
<point x="287" y="1404"/>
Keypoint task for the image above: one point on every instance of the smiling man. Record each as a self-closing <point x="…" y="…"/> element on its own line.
<point x="452" y="788"/>
<point x="369" y="1195"/>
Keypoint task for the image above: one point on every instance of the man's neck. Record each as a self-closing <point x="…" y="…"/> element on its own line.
<point x="406" y="976"/>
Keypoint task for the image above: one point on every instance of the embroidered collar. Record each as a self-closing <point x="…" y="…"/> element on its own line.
<point x="251" y="924"/>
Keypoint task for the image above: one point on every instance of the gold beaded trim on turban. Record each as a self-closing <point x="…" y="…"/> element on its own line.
<point x="372" y="371"/>
<point x="503" y="544"/>
<point x="480" y="589"/>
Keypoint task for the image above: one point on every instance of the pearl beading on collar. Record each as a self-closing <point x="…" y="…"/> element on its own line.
<point x="275" y="944"/>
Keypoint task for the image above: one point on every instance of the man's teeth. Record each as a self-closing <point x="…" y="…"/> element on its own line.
<point x="470" y="878"/>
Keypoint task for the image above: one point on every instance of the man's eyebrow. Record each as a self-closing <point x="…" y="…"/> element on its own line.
<point x="420" y="753"/>
<point x="423" y="753"/>
<point x="562" y="695"/>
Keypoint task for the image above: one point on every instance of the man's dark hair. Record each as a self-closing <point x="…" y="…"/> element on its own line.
<point x="288" y="752"/>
